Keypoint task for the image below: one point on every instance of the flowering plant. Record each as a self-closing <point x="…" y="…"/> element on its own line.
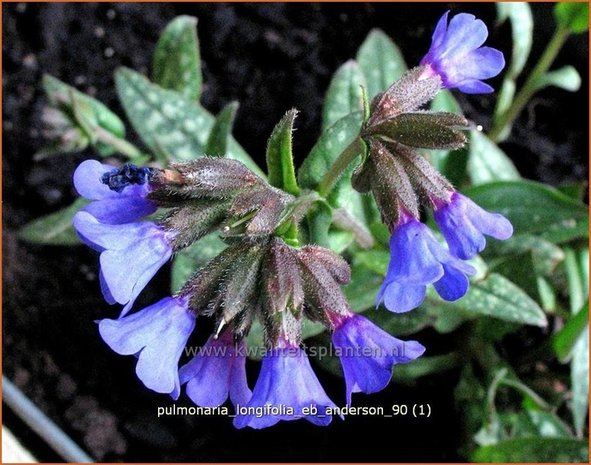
<point x="275" y="258"/>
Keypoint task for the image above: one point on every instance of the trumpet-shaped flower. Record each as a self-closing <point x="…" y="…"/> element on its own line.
<point x="112" y="203"/>
<point x="464" y="224"/>
<point x="368" y="354"/>
<point x="217" y="372"/>
<point x="286" y="381"/>
<point x="416" y="260"/>
<point x="131" y="254"/>
<point x="157" y="336"/>
<point x="457" y="57"/>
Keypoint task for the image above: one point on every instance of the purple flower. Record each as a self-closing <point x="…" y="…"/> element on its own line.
<point x="457" y="57"/>
<point x="463" y="224"/>
<point x="368" y="354"/>
<point x="110" y="206"/>
<point x="287" y="381"/>
<point x="157" y="336"/>
<point x="216" y="372"/>
<point x="416" y="260"/>
<point x="131" y="254"/>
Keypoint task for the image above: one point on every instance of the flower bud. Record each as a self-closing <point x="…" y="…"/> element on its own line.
<point x="206" y="177"/>
<point x="203" y="287"/>
<point x="321" y="276"/>
<point x="425" y="179"/>
<point x="282" y="287"/>
<point x="240" y="290"/>
<point x="411" y="91"/>
<point x="390" y="183"/>
<point x="192" y="222"/>
<point x="423" y="130"/>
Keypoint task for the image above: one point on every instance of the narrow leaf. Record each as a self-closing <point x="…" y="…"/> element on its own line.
<point x="497" y="297"/>
<point x="580" y="381"/>
<point x="522" y="24"/>
<point x="567" y="78"/>
<point x="176" y="64"/>
<point x="54" y="229"/>
<point x="534" y="208"/>
<point x="381" y="62"/>
<point x="280" y="166"/>
<point x="573" y="16"/>
<point x="344" y="95"/>
<point x="534" y="450"/>
<point x="487" y="162"/>
<point x="565" y="340"/>
<point x="219" y="136"/>
<point x="59" y="93"/>
<point x="330" y="145"/>
<point x="545" y="255"/>
<point x="166" y="121"/>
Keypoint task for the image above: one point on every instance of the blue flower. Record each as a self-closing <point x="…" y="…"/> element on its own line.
<point x="110" y="206"/>
<point x="216" y="372"/>
<point x="368" y="354"/>
<point x="286" y="381"/>
<point x="416" y="260"/>
<point x="157" y="336"/>
<point x="463" y="224"/>
<point x="457" y="57"/>
<point x="131" y="254"/>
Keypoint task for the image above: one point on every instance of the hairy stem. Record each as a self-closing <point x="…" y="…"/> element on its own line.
<point x="339" y="166"/>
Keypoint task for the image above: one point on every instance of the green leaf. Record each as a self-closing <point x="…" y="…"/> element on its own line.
<point x="189" y="260"/>
<point x="497" y="297"/>
<point x="487" y="162"/>
<point x="567" y="78"/>
<point x="319" y="219"/>
<point x="534" y="450"/>
<point x="470" y="397"/>
<point x="565" y="340"/>
<point x="406" y="373"/>
<point x="221" y="132"/>
<point x="361" y="292"/>
<point x="329" y="146"/>
<point x="281" y="171"/>
<point x="55" y="228"/>
<point x="520" y="16"/>
<point x="573" y="16"/>
<point x="374" y="260"/>
<point x="452" y="164"/>
<point x="59" y="93"/>
<point x="545" y="255"/>
<point x="339" y="240"/>
<point x="311" y="328"/>
<point x="344" y="95"/>
<point x="381" y="62"/>
<point x="81" y="114"/>
<point x="522" y="24"/>
<point x="255" y="341"/>
<point x="579" y="370"/>
<point x="534" y="208"/>
<point x="575" y="191"/>
<point x="168" y="122"/>
<point x="402" y="324"/>
<point x="548" y="424"/>
<point x="176" y="64"/>
<point x="327" y="149"/>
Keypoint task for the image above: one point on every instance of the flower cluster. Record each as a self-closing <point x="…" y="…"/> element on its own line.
<point x="400" y="179"/>
<point x="256" y="277"/>
<point x="139" y="217"/>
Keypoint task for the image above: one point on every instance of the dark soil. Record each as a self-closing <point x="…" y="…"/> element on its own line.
<point x="270" y="57"/>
